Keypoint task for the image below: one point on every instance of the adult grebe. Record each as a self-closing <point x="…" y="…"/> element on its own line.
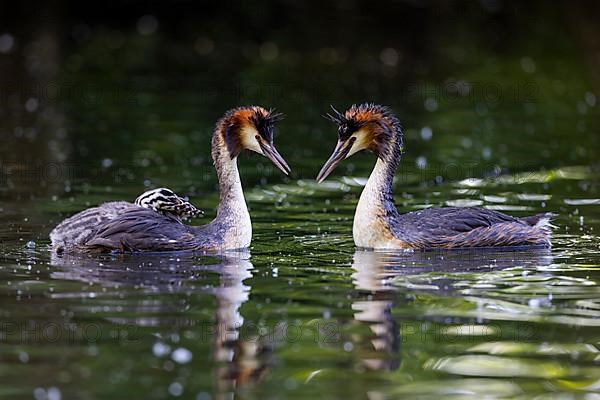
<point x="377" y="223"/>
<point x="122" y="226"/>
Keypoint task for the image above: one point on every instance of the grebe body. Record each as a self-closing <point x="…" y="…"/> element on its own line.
<point x="377" y="222"/>
<point x="155" y="223"/>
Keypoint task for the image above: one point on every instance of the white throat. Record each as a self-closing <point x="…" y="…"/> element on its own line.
<point x="233" y="211"/>
<point x="369" y="219"/>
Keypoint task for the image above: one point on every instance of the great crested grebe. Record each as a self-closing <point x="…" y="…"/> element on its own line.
<point x="121" y="226"/>
<point x="377" y="223"/>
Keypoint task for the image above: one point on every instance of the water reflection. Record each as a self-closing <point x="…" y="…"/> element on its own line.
<point x="238" y="361"/>
<point x="394" y="264"/>
<point x="381" y="277"/>
<point x="381" y="349"/>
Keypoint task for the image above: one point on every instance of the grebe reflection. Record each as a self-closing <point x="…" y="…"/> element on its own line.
<point x="376" y="277"/>
<point x="238" y="360"/>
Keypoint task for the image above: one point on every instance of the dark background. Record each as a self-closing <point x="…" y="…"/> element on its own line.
<point x="130" y="90"/>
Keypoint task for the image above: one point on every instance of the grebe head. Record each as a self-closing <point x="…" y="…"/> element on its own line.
<point x="364" y="126"/>
<point x="251" y="128"/>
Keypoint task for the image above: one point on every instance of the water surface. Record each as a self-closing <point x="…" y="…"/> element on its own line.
<point x="301" y="314"/>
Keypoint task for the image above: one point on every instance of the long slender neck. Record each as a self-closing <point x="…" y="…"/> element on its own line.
<point x="376" y="203"/>
<point x="378" y="190"/>
<point x="380" y="181"/>
<point x="232" y="223"/>
<point x="376" y="221"/>
<point x="376" y="211"/>
<point x="231" y="194"/>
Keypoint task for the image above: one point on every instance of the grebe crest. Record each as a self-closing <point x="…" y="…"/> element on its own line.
<point x="364" y="126"/>
<point x="251" y="128"/>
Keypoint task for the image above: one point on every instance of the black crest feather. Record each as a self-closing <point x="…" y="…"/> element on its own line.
<point x="387" y="134"/>
<point x="335" y="116"/>
<point x="265" y="122"/>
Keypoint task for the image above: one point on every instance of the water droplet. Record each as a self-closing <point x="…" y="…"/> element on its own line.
<point x="426" y="133"/>
<point x="534" y="303"/>
<point x="463" y="88"/>
<point x="176" y="389"/>
<point x="147" y="25"/>
<point x="182" y="356"/>
<point x="23" y="357"/>
<point x="32" y="104"/>
<point x="30" y="245"/>
<point x="53" y="393"/>
<point x="466" y="142"/>
<point x="160" y="349"/>
<point x="348" y="346"/>
<point x="39" y="394"/>
<point x="528" y="65"/>
<point x="590" y="99"/>
<point x="7" y="42"/>
<point x="486" y="153"/>
<point x="430" y="104"/>
<point x="389" y="57"/>
<point x="203" y="396"/>
<point x="421" y="162"/>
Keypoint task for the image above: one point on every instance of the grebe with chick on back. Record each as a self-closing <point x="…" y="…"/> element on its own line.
<point x="154" y="223"/>
<point x="377" y="222"/>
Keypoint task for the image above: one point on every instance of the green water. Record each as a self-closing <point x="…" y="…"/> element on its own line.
<point x="302" y="314"/>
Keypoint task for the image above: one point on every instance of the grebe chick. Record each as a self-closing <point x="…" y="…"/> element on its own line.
<point x="166" y="202"/>
<point x="377" y="223"/>
<point x="122" y="226"/>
